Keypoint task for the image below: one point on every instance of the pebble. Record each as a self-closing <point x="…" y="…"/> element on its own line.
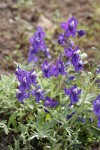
<point x="3" y="5"/>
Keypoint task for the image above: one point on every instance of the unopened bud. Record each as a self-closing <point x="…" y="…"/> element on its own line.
<point x="84" y="55"/>
<point x="89" y="73"/>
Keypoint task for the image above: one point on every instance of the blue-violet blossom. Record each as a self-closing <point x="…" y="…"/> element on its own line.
<point x="70" y="27"/>
<point x="38" y="94"/>
<point x="59" y="68"/>
<point x="49" y="102"/>
<point x="96" y="108"/>
<point x="22" y="95"/>
<point x="46" y="69"/>
<point x="37" y="44"/>
<point x="73" y="93"/>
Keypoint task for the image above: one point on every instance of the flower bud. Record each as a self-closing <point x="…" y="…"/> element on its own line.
<point x="84" y="56"/>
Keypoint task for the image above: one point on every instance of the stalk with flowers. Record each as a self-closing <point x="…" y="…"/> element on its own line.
<point x="59" y="98"/>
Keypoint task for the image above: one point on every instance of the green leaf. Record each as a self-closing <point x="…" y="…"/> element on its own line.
<point x="12" y="120"/>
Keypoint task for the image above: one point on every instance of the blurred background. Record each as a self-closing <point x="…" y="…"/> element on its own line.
<point x="19" y="19"/>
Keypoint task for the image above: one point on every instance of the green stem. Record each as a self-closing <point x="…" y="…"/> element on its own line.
<point x="82" y="104"/>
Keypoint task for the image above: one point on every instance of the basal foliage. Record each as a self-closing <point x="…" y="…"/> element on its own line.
<point x="54" y="105"/>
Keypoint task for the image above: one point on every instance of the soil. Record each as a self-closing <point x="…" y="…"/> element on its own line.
<point x="18" y="19"/>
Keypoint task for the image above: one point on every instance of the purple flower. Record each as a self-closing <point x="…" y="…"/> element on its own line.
<point x="32" y="54"/>
<point x="21" y="74"/>
<point x="70" y="116"/>
<point x="33" y="57"/>
<point x="77" y="62"/>
<point x="81" y="33"/>
<point x="68" y="51"/>
<point x="38" y="94"/>
<point x="98" y="72"/>
<point x="46" y="69"/>
<point x="71" y="43"/>
<point x="69" y="79"/>
<point x="61" y="38"/>
<point x="22" y="95"/>
<point x="59" y="68"/>
<point x="75" y="58"/>
<point x="73" y="93"/>
<point x="36" y="39"/>
<point x="33" y="50"/>
<point x="81" y="119"/>
<point x="49" y="102"/>
<point x="24" y="84"/>
<point x="25" y="78"/>
<point x="70" y="27"/>
<point x="96" y="106"/>
<point x="32" y="77"/>
<point x="37" y="44"/>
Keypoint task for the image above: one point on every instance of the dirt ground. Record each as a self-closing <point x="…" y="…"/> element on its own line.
<point x="19" y="18"/>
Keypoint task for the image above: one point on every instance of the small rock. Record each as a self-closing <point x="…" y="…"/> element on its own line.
<point x="44" y="22"/>
<point x="88" y="15"/>
<point x="3" y="5"/>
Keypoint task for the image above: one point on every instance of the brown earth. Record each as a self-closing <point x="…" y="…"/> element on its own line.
<point x="19" y="19"/>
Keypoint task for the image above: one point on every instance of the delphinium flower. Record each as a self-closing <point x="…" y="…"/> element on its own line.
<point x="96" y="108"/>
<point x="75" y="57"/>
<point x="70" y="116"/>
<point x="70" y="51"/>
<point x="20" y="73"/>
<point x="37" y="44"/>
<point x="32" y="55"/>
<point x="46" y="69"/>
<point x="49" y="102"/>
<point x="32" y="77"/>
<point x="37" y="40"/>
<point x="73" y="93"/>
<point x="69" y="79"/>
<point x="22" y="76"/>
<point x="98" y="73"/>
<point x="61" y="39"/>
<point x="81" y="119"/>
<point x="38" y="94"/>
<point x="58" y="68"/>
<point x="81" y="33"/>
<point x="77" y="62"/>
<point x="70" y="27"/>
<point x="25" y="76"/>
<point x="22" y="95"/>
<point x="26" y="79"/>
<point x="49" y="69"/>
